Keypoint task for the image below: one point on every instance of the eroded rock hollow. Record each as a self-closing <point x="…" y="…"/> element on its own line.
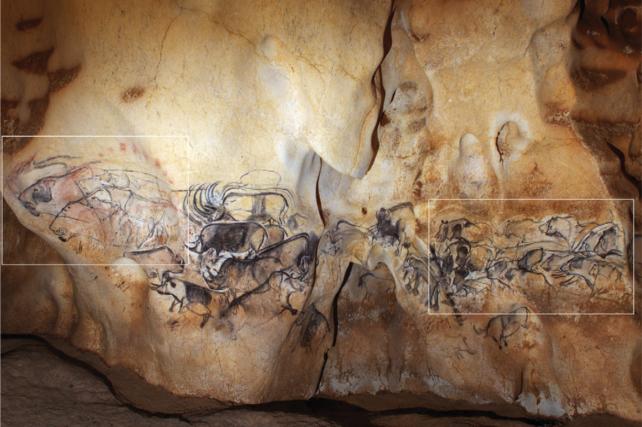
<point x="395" y="204"/>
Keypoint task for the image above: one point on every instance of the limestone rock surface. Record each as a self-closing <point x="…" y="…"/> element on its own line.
<point x="397" y="204"/>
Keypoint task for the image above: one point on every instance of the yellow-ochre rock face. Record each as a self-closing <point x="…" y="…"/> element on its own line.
<point x="417" y="203"/>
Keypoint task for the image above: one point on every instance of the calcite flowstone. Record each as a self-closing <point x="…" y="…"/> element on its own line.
<point x="417" y="203"/>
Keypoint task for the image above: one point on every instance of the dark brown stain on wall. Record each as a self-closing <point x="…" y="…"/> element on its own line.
<point x="133" y="94"/>
<point x="11" y="124"/>
<point x="60" y="78"/>
<point x="8" y="115"/>
<point x="36" y="63"/>
<point x="28" y="24"/>
<point x="18" y="133"/>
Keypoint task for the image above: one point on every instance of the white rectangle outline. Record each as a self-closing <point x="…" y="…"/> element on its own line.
<point x="539" y="314"/>
<point x="429" y="222"/>
<point x="85" y="136"/>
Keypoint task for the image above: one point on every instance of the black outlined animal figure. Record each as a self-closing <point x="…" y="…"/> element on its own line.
<point x="158" y="261"/>
<point x="38" y="182"/>
<point x="559" y="249"/>
<point x="602" y="241"/>
<point x="265" y="278"/>
<point x="588" y="269"/>
<point x="386" y="230"/>
<point x="376" y="282"/>
<point x="111" y="207"/>
<point x="547" y="263"/>
<point x="186" y="295"/>
<point x="246" y="200"/>
<point x="71" y="184"/>
<point x="390" y="229"/>
<point x="566" y="228"/>
<point x="415" y="273"/>
<point x="522" y="229"/>
<point x="314" y="328"/>
<point x="337" y="240"/>
<point x="531" y="260"/>
<point x="534" y="261"/>
<point x="243" y="276"/>
<point x="219" y="242"/>
<point x="288" y="287"/>
<point x="607" y="244"/>
<point x="440" y="268"/>
<point x="582" y="268"/>
<point x="501" y="327"/>
<point x="40" y="192"/>
<point x="240" y="276"/>
<point x="80" y="220"/>
<point x="502" y="271"/>
<point x="243" y="239"/>
<point x="463" y="266"/>
<point x="452" y="230"/>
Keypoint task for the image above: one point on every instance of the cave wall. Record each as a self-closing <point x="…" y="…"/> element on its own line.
<point x="417" y="203"/>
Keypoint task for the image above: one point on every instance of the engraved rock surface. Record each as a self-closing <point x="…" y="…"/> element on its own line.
<point x="398" y="205"/>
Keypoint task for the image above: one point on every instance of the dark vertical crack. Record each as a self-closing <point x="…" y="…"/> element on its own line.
<point x="335" y="305"/>
<point x="335" y="321"/>
<point x="318" y="194"/>
<point x="582" y="5"/>
<point x="626" y="173"/>
<point x="377" y="82"/>
<point x="499" y="150"/>
<point x="325" y="360"/>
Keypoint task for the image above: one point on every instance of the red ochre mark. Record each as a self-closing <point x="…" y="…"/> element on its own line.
<point x="170" y="180"/>
<point x="28" y="24"/>
<point x="23" y="167"/>
<point x="417" y="191"/>
<point x="60" y="78"/>
<point x="133" y="94"/>
<point x="157" y="163"/>
<point x="36" y="63"/>
<point x="101" y="155"/>
<point x="111" y="150"/>
<point x="123" y="147"/>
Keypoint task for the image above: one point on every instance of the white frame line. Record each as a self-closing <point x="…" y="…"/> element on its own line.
<point x="431" y="313"/>
<point x="89" y="136"/>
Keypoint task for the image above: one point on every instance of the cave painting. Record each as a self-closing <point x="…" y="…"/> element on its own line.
<point x="386" y="203"/>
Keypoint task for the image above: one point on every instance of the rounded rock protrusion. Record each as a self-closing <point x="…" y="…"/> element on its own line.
<point x="505" y="140"/>
<point x="472" y="174"/>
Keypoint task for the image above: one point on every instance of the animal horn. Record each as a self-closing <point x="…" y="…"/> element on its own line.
<point x="196" y="246"/>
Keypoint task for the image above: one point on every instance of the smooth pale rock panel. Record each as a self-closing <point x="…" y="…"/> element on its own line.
<point x="42" y="293"/>
<point x="300" y="84"/>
